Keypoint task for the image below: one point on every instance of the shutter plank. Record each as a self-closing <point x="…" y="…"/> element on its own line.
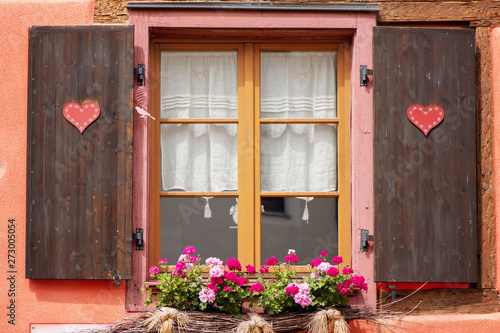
<point x="425" y="200"/>
<point x="79" y="187"/>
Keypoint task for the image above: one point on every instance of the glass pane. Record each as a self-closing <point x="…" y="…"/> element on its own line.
<point x="299" y="157"/>
<point x="183" y="224"/>
<point x="299" y="84"/>
<point x="199" y="84"/>
<point x="281" y="232"/>
<point x="199" y="157"/>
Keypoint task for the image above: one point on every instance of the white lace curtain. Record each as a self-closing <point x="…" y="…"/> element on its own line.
<point x="294" y="157"/>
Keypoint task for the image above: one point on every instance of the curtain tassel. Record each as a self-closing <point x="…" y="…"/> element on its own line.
<point x="305" y="216"/>
<point x="208" y="212"/>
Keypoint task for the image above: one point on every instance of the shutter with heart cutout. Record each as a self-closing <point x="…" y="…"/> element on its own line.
<point x="79" y="170"/>
<point x="425" y="183"/>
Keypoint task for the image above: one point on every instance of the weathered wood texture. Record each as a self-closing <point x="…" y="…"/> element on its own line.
<point x="441" y="301"/>
<point x="477" y="13"/>
<point x="485" y="177"/>
<point x="425" y="186"/>
<point x="79" y="186"/>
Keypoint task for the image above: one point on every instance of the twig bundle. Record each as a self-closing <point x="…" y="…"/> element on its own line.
<point x="168" y="320"/>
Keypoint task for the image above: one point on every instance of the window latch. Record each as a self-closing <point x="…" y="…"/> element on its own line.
<point x="365" y="238"/>
<point x="363" y="75"/>
<point x="140" y="71"/>
<point x="139" y="237"/>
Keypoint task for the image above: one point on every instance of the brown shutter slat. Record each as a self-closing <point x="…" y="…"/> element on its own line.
<point x="79" y="186"/>
<point x="425" y="186"/>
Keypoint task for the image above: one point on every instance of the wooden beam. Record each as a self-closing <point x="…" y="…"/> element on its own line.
<point x="478" y="13"/>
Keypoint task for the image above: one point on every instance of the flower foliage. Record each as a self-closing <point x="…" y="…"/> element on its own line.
<point x="278" y="288"/>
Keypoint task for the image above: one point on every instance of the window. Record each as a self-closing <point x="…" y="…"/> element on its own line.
<point x="241" y="125"/>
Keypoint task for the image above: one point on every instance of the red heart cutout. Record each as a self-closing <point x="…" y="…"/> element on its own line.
<point x="81" y="116"/>
<point x="425" y="118"/>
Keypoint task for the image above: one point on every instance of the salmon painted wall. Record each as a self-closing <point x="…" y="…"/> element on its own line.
<point x="36" y="301"/>
<point x="52" y="301"/>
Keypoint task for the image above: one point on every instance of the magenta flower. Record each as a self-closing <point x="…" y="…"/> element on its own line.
<point x="189" y="250"/>
<point x="316" y="262"/>
<point x="256" y="287"/>
<point x="292" y="258"/>
<point x="226" y="288"/>
<point x="230" y="276"/>
<point x="162" y="261"/>
<point x="337" y="260"/>
<point x="216" y="280"/>
<point x="154" y="270"/>
<point x="193" y="259"/>
<point x="264" y="269"/>
<point x="333" y="272"/>
<point x="343" y="289"/>
<point x="180" y="265"/>
<point x="292" y="289"/>
<point x="323" y="254"/>
<point x="347" y="271"/>
<point x="213" y="287"/>
<point x="241" y="281"/>
<point x="250" y="269"/>
<point x="272" y="261"/>
<point x="233" y="264"/>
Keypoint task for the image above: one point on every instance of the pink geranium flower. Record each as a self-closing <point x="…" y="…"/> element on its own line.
<point x="323" y="254"/>
<point x="333" y="272"/>
<point x="272" y="261"/>
<point x="189" y="250"/>
<point x="337" y="260"/>
<point x="347" y="271"/>
<point x="241" y="281"/>
<point x="250" y="269"/>
<point x="316" y="262"/>
<point x="256" y="287"/>
<point x="264" y="269"/>
<point x="292" y="289"/>
<point x="154" y="270"/>
<point x="292" y="258"/>
<point x="226" y="288"/>
<point x="162" y="261"/>
<point x="233" y="264"/>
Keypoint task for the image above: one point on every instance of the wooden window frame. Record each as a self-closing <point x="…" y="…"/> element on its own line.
<point x="249" y="193"/>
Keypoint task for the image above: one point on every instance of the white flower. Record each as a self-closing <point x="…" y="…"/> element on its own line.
<point x="323" y="267"/>
<point x="290" y="251"/>
<point x="212" y="262"/>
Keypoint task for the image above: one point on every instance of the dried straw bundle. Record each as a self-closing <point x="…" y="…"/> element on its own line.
<point x="172" y="320"/>
<point x="163" y="320"/>
<point x="330" y="320"/>
<point x="256" y="324"/>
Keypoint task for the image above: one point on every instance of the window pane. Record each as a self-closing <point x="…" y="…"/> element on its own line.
<point x="199" y="84"/>
<point x="298" y="84"/>
<point x="280" y="233"/>
<point x="299" y="157"/>
<point x="199" y="157"/>
<point x="183" y="224"/>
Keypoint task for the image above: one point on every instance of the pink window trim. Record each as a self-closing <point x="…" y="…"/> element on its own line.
<point x="361" y="117"/>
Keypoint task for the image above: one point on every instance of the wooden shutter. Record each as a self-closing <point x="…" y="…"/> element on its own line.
<point x="425" y="186"/>
<point x="79" y="186"/>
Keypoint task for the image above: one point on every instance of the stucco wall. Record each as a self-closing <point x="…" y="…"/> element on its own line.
<point x="51" y="301"/>
<point x="41" y="301"/>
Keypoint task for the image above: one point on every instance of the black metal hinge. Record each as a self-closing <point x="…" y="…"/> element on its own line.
<point x="139" y="237"/>
<point x="141" y="73"/>
<point x="363" y="75"/>
<point x="365" y="238"/>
